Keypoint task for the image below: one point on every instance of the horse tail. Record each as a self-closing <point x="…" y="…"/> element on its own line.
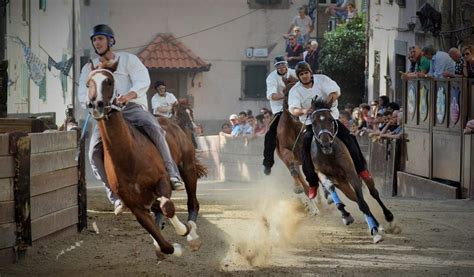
<point x="201" y="170"/>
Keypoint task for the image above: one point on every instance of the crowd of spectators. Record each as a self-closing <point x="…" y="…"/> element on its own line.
<point x="246" y="125"/>
<point x="429" y="62"/>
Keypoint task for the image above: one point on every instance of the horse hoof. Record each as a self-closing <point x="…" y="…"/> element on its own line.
<point x="329" y="199"/>
<point x="389" y="217"/>
<point x="195" y="244"/>
<point x="377" y="237"/>
<point x="178" y="250"/>
<point x="348" y="220"/>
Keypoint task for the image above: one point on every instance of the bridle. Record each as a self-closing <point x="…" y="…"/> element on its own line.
<point x="325" y="131"/>
<point x="111" y="106"/>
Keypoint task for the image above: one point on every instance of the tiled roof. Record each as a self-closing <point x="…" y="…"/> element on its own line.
<point x="165" y="52"/>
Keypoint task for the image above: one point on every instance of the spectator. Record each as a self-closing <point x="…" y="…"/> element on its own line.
<point x="234" y="121"/>
<point x="299" y="37"/>
<point x="294" y="52"/>
<point x="468" y="70"/>
<point x="304" y="23"/>
<point x="440" y="62"/>
<point x="162" y="102"/>
<point x="365" y="116"/>
<point x="351" y="11"/>
<point x="345" y="118"/>
<point x="267" y="118"/>
<point x="469" y="127"/>
<point x="411" y="59"/>
<point x="226" y="129"/>
<point x="263" y="110"/>
<point x="312" y="56"/>
<point x="383" y="102"/>
<point x="458" y="59"/>
<point x="394" y="129"/>
<point x="339" y="9"/>
<point x="199" y="130"/>
<point x="260" y="127"/>
<point x="349" y="107"/>
<point x="422" y="65"/>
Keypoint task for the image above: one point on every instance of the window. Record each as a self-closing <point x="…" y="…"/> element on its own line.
<point x="269" y="4"/>
<point x="254" y="75"/>
<point x="327" y="2"/>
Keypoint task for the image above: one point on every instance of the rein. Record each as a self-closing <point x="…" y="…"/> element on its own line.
<point x="110" y="107"/>
<point x="325" y="131"/>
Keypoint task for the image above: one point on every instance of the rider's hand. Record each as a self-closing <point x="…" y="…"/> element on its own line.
<point x="123" y="99"/>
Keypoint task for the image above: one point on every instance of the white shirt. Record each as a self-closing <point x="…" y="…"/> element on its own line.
<point x="303" y="23"/>
<point x="276" y="85"/>
<point x="167" y="101"/>
<point x="131" y="75"/>
<point x="300" y="97"/>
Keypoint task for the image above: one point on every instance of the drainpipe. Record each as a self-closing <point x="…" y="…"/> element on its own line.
<point x="73" y="102"/>
<point x="366" y="72"/>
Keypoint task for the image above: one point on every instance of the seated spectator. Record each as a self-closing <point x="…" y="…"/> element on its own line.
<point x="422" y="64"/>
<point x="339" y="9"/>
<point x="311" y="56"/>
<point x="294" y="52"/>
<point x="162" y="102"/>
<point x="440" y="62"/>
<point x="351" y="12"/>
<point x="469" y="127"/>
<point x="468" y="70"/>
<point x="458" y="59"/>
<point x="303" y="22"/>
<point x="226" y="129"/>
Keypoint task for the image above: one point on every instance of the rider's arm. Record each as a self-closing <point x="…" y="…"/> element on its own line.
<point x="139" y="77"/>
<point x="294" y="103"/>
<point x="272" y="86"/>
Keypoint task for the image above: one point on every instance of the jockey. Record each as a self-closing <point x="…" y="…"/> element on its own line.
<point x="275" y="87"/>
<point x="131" y="83"/>
<point x="162" y="102"/>
<point x="299" y="102"/>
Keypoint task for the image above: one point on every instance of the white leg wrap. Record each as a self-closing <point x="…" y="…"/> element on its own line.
<point x="192" y="234"/>
<point x="179" y="227"/>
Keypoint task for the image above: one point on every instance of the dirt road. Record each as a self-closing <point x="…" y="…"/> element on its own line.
<point x="257" y="229"/>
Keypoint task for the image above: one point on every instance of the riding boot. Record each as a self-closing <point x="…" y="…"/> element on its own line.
<point x="308" y="166"/>
<point x="270" y="144"/>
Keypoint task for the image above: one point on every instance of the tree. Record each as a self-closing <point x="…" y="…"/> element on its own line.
<point x="343" y="59"/>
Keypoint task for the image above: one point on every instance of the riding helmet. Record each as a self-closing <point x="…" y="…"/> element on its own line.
<point x="279" y="60"/>
<point x="302" y="67"/>
<point x="103" y="29"/>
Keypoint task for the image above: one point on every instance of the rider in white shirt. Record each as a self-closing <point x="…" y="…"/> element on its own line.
<point x="131" y="84"/>
<point x="299" y="103"/>
<point x="275" y="87"/>
<point x="162" y="102"/>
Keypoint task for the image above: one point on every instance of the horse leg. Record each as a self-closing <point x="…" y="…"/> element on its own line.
<point x="161" y="245"/>
<point x="189" y="176"/>
<point x="347" y="218"/>
<point x="369" y="181"/>
<point x="364" y="207"/>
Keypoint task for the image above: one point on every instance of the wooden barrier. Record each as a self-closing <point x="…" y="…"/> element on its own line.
<point x="42" y="189"/>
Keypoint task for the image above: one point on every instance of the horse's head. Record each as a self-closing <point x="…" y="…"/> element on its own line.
<point x="183" y="113"/>
<point x="102" y="95"/>
<point x="289" y="83"/>
<point x="324" y="125"/>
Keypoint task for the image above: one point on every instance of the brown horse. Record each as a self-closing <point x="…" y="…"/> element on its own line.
<point x="289" y="134"/>
<point x="183" y="116"/>
<point x="334" y="164"/>
<point x="135" y="169"/>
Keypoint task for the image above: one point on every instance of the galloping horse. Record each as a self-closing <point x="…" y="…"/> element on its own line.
<point x="333" y="162"/>
<point x="184" y="117"/>
<point x="134" y="167"/>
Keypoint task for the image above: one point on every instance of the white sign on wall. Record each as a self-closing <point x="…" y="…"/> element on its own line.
<point x="260" y="52"/>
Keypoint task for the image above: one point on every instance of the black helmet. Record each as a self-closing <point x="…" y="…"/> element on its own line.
<point x="301" y="67"/>
<point x="103" y="29"/>
<point x="279" y="60"/>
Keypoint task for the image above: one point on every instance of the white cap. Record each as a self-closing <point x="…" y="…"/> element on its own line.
<point x="233" y="116"/>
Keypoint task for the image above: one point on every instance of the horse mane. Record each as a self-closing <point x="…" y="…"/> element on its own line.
<point x="318" y="103"/>
<point x="289" y="82"/>
<point x="182" y="117"/>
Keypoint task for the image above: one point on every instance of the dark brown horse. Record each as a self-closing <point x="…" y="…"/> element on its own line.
<point x="135" y="169"/>
<point x="334" y="164"/>
<point x="289" y="134"/>
<point x="183" y="116"/>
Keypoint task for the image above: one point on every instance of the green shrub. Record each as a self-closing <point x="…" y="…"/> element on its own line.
<point x="342" y="58"/>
